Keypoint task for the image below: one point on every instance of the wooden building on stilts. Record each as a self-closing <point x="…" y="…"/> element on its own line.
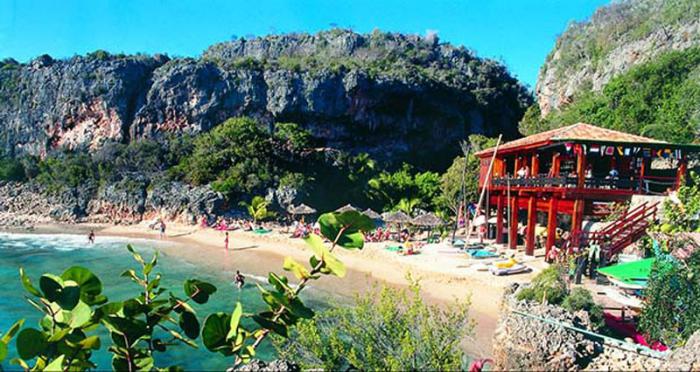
<point x="574" y="173"/>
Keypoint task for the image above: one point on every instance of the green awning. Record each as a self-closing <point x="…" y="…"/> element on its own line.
<point x="634" y="273"/>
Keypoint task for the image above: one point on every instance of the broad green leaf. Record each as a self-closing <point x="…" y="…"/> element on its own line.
<point x="69" y="295"/>
<point x="216" y="327"/>
<point x="56" y="364"/>
<point x="321" y="252"/>
<point x="51" y="285"/>
<point x="90" y="285"/>
<point x="316" y="243"/>
<point x="278" y="328"/>
<point x="3" y="351"/>
<point x="189" y="324"/>
<point x="80" y="315"/>
<point x="235" y="321"/>
<point x="198" y="290"/>
<point x="299" y="271"/>
<point x="297" y="307"/>
<point x="30" y="343"/>
<point x="27" y="283"/>
<point x="353" y="222"/>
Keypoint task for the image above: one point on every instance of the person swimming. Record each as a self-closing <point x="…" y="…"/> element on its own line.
<point x="239" y="279"/>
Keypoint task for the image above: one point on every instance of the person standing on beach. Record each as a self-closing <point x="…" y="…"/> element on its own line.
<point x="91" y="237"/>
<point x="162" y="229"/>
<point x="226" y="241"/>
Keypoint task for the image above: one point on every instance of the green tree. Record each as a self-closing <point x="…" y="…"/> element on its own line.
<point x="388" y="189"/>
<point x="671" y="312"/>
<point x="457" y="178"/>
<point x="258" y="209"/>
<point x="386" y="329"/>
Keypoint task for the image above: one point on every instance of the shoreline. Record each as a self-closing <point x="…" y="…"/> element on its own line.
<point x="444" y="276"/>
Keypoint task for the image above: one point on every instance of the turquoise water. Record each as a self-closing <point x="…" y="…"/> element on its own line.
<point x="108" y="258"/>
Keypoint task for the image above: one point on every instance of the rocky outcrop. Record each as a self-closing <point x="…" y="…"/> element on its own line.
<point x="530" y="337"/>
<point x="685" y="358"/>
<point x="526" y="343"/>
<point x="387" y="94"/>
<point x="125" y="202"/>
<point x="616" y="38"/>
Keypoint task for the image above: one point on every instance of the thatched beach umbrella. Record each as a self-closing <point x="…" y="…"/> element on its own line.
<point x="372" y="214"/>
<point x="427" y="220"/>
<point x="396" y="217"/>
<point x="346" y="208"/>
<point x="302" y="209"/>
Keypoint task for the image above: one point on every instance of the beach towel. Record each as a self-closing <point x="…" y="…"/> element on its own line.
<point x="458" y="243"/>
<point x="393" y="248"/>
<point x="481" y="253"/>
<point x="261" y="231"/>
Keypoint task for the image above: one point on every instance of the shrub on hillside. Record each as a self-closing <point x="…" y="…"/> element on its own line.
<point x="671" y="311"/>
<point x="581" y="299"/>
<point x="548" y="285"/>
<point x="11" y="170"/>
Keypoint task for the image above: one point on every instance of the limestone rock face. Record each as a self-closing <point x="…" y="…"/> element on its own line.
<point x="386" y="94"/>
<point x="616" y="38"/>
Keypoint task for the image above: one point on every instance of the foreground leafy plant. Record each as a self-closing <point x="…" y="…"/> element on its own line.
<point x="67" y="303"/>
<point x="7" y="337"/>
<point x="74" y="306"/>
<point x="386" y="330"/>
<point x="145" y="324"/>
<point x="225" y="333"/>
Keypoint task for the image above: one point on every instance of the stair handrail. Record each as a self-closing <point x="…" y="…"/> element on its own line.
<point x="622" y="219"/>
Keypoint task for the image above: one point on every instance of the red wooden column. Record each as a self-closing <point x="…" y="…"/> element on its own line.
<point x="577" y="220"/>
<point x="531" y="222"/>
<point x="551" y="224"/>
<point x="642" y="172"/>
<point x="513" y="236"/>
<point x="556" y="165"/>
<point x="535" y="165"/>
<point x="499" y="219"/>
<point x="580" y="170"/>
<point x="680" y="175"/>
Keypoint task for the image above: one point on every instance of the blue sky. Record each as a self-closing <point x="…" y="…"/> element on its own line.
<point x="518" y="32"/>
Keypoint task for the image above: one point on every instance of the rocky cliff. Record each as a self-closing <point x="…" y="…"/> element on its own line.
<point x="624" y="34"/>
<point x="386" y="94"/>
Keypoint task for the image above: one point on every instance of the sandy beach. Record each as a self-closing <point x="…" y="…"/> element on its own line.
<point x="445" y="274"/>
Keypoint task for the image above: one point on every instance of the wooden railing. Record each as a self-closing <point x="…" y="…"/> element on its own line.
<point x="646" y="185"/>
<point x="564" y="181"/>
<point x="624" y="231"/>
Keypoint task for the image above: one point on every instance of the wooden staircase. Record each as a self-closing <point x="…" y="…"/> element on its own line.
<point x="627" y="229"/>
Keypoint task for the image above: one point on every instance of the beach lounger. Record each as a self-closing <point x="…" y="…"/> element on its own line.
<point x="515" y="269"/>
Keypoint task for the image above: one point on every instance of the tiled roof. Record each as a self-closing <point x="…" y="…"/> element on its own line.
<point x="575" y="132"/>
